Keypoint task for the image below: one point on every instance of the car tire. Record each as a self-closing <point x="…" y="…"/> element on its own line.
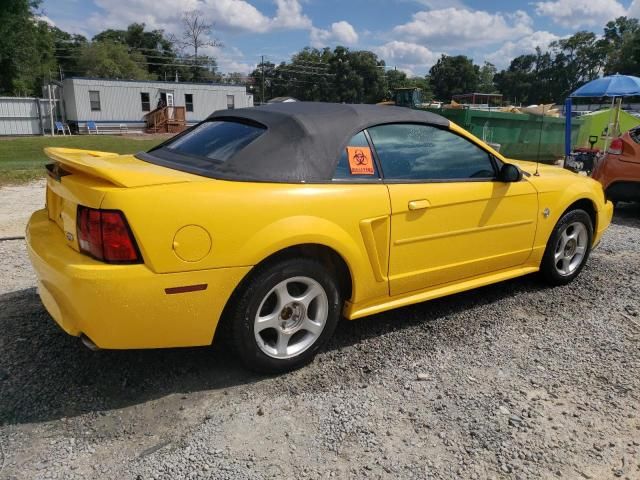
<point x="568" y="248"/>
<point x="283" y="314"/>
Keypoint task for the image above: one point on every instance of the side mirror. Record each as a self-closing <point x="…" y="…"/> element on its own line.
<point x="510" y="173"/>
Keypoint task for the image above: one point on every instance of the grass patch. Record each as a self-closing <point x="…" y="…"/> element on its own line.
<point x="22" y="159"/>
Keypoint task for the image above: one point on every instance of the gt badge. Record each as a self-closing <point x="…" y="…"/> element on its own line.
<point x="69" y="236"/>
<point x="546" y="212"/>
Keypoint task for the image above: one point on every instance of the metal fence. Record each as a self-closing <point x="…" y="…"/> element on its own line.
<point x="28" y="116"/>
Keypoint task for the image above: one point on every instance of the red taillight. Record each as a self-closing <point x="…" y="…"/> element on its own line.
<point x="616" y="146"/>
<point x="105" y="235"/>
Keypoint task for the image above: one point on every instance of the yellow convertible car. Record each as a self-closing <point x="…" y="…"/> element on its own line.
<point x="265" y="225"/>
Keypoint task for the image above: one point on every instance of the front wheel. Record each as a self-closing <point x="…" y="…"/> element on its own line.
<point x="568" y="248"/>
<point x="284" y="315"/>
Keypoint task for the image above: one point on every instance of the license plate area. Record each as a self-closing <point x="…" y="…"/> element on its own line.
<point x="54" y="207"/>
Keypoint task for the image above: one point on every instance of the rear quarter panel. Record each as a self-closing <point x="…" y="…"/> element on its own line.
<point x="247" y="222"/>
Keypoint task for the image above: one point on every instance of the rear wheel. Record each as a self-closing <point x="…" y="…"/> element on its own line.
<point x="568" y="248"/>
<point x="283" y="315"/>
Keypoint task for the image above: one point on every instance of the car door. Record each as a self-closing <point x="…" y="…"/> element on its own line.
<point x="451" y="219"/>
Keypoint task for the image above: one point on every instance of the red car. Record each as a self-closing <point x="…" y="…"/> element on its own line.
<point x="619" y="170"/>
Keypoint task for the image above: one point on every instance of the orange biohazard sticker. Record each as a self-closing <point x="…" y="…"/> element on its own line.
<point x="360" y="160"/>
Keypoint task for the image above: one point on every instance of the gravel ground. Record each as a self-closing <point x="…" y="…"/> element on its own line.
<point x="27" y="198"/>
<point x="513" y="381"/>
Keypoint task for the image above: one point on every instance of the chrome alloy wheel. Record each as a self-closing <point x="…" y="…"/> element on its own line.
<point x="571" y="248"/>
<point x="291" y="317"/>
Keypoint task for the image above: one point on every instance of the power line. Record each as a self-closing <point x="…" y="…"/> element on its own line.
<point x="189" y="65"/>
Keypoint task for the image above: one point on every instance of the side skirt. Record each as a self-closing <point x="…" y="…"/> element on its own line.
<point x="355" y="311"/>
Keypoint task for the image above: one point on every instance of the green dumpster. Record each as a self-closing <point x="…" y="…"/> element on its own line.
<point x="521" y="136"/>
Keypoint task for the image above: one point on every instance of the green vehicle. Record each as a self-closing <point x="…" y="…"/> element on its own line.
<point x="408" y="97"/>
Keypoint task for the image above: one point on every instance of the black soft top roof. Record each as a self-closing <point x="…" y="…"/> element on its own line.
<point x="304" y="140"/>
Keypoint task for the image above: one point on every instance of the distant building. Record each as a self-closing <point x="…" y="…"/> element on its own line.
<point x="114" y="104"/>
<point x="126" y="102"/>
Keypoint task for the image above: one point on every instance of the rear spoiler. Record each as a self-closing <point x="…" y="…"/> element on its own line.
<point x="120" y="170"/>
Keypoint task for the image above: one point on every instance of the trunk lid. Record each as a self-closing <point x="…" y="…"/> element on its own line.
<point x="83" y="177"/>
<point x="119" y="170"/>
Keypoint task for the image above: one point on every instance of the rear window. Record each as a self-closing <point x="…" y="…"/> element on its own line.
<point x="634" y="133"/>
<point x="217" y="140"/>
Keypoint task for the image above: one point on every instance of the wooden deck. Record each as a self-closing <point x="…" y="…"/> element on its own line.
<point x="166" y="120"/>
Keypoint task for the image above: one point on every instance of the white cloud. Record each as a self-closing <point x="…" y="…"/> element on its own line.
<point x="230" y="59"/>
<point x="44" y="18"/>
<point x="226" y="15"/>
<point x="340" y="32"/>
<point x="527" y="44"/>
<point x="409" y="57"/>
<point x="634" y="9"/>
<point x="577" y="13"/>
<point x="460" y="27"/>
<point x="289" y="15"/>
<point x="439" y="4"/>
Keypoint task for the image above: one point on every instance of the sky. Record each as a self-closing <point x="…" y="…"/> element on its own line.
<point x="408" y="34"/>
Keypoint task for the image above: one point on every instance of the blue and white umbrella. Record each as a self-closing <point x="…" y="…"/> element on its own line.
<point x="611" y="86"/>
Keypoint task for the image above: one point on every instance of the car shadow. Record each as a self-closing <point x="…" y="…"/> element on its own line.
<point x="627" y="214"/>
<point x="46" y="374"/>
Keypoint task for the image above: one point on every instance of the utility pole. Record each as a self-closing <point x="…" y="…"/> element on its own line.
<point x="50" y="108"/>
<point x="262" y="64"/>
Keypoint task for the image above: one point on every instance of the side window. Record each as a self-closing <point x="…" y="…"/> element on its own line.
<point x="188" y="101"/>
<point x="145" y="101"/>
<point x="94" y="100"/>
<point x="422" y="152"/>
<point x="356" y="161"/>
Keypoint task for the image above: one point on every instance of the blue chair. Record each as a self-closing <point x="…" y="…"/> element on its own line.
<point x="92" y="127"/>
<point x="62" y="127"/>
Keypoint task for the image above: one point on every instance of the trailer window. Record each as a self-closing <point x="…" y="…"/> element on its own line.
<point x="188" y="101"/>
<point x="145" y="101"/>
<point x="94" y="100"/>
<point x="231" y="102"/>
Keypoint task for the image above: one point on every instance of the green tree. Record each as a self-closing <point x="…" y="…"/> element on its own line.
<point x="485" y="78"/>
<point x="68" y="48"/>
<point x="112" y="60"/>
<point x="26" y="48"/>
<point x="367" y="80"/>
<point x="396" y="79"/>
<point x="550" y="76"/>
<point x="516" y="82"/>
<point x="534" y="78"/>
<point x="399" y="79"/>
<point x="308" y="77"/>
<point x="629" y="61"/>
<point x="255" y="81"/>
<point x="111" y="36"/>
<point x="617" y="44"/>
<point x="452" y="76"/>
<point x="161" y="59"/>
<point x="314" y="74"/>
<point x="578" y="59"/>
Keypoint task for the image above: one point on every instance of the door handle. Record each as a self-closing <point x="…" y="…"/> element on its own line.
<point x="419" y="204"/>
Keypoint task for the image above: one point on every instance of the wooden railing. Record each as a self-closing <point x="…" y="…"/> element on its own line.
<point x="166" y="119"/>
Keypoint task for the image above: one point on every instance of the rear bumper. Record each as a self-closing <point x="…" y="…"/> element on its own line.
<point x="124" y="306"/>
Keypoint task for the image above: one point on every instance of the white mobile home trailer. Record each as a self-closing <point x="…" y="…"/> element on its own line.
<point x="124" y="102"/>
